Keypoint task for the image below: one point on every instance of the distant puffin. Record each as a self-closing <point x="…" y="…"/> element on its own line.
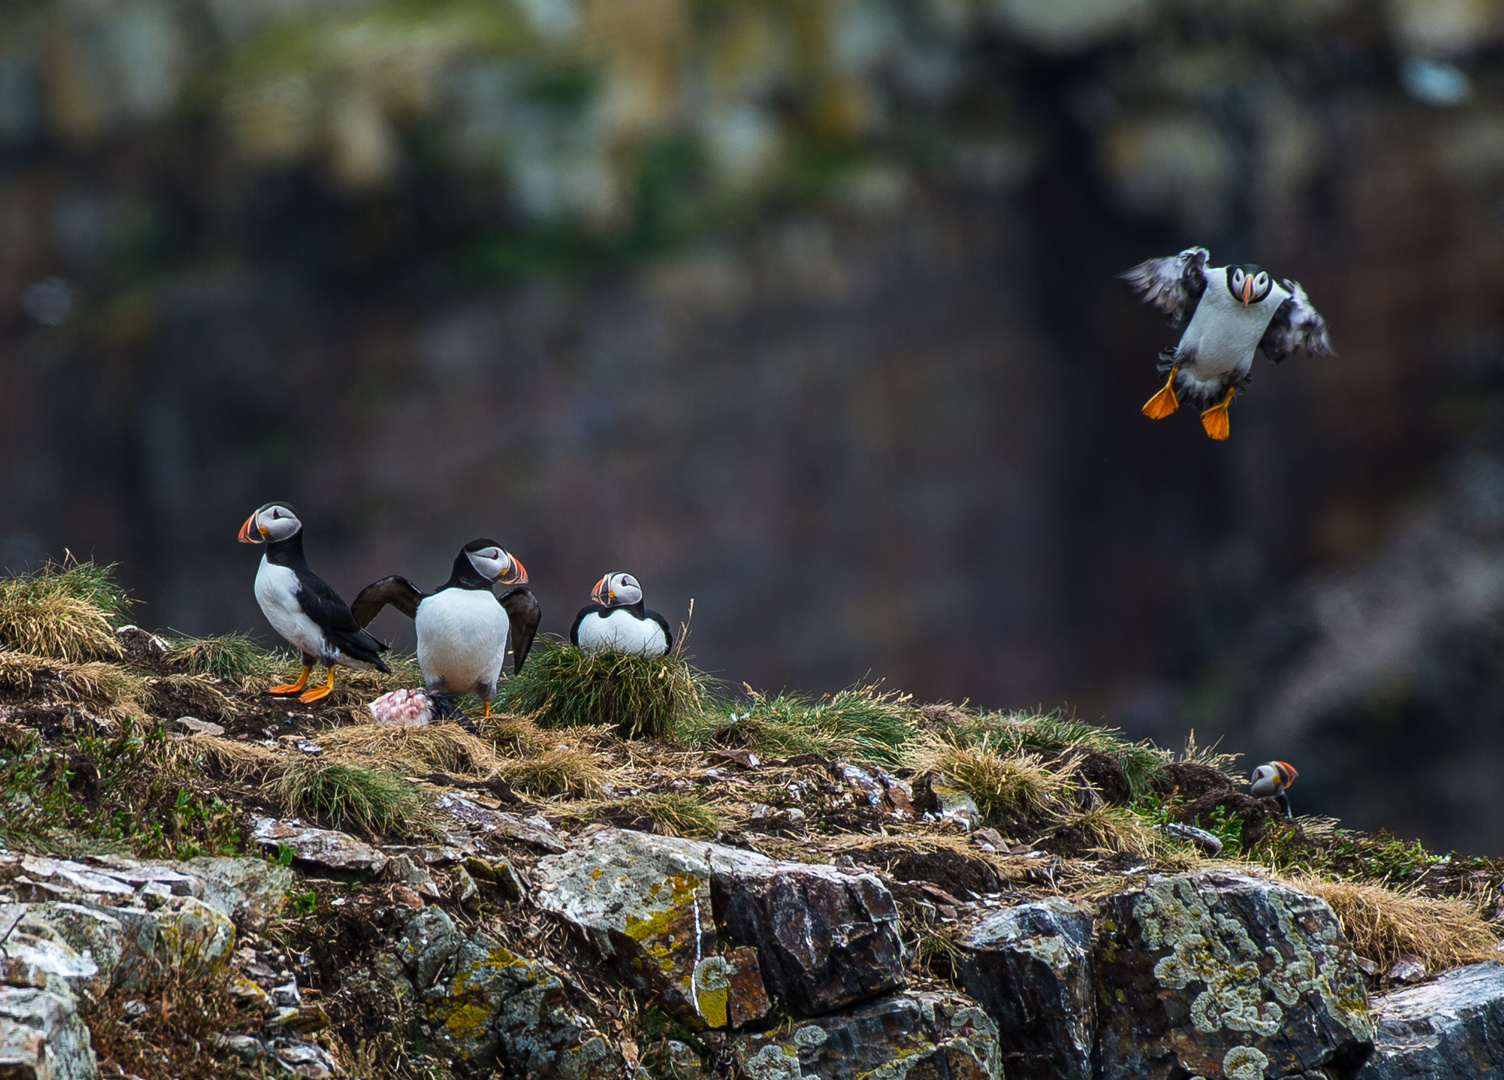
<point x="1233" y="310"/>
<point x="618" y="620"/>
<point x="303" y="607"/>
<point x="1271" y="781"/>
<point x="462" y="627"/>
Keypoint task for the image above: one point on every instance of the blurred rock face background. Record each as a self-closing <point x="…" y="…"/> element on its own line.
<point x="806" y="311"/>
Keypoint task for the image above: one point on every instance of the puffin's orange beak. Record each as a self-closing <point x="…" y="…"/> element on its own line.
<point x="1247" y="290"/>
<point x="250" y="532"/>
<point x="1287" y="773"/>
<point x="516" y="573"/>
<point x="598" y="593"/>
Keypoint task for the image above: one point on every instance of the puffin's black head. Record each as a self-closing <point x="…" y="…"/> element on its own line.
<point x="494" y="564"/>
<point x="1248" y="283"/>
<point x="274" y="521"/>
<point x="617" y="590"/>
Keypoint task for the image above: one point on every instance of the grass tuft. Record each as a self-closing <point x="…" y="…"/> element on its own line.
<point x="445" y="747"/>
<point x="563" y="770"/>
<point x="672" y="813"/>
<point x="1008" y="786"/>
<point x="1013" y="732"/>
<point x="373" y="801"/>
<point x="64" y="611"/>
<point x="1384" y="924"/>
<point x="639" y="696"/>
<point x="107" y="689"/>
<point x="235" y="657"/>
<point x="862" y="722"/>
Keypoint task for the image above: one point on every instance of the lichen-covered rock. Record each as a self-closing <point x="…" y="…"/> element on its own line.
<point x="1030" y="967"/>
<point x="192" y="936"/>
<point x="914" y="1035"/>
<point x="486" y="1005"/>
<point x="826" y="938"/>
<point x="42" y="1037"/>
<point x="1226" y="977"/>
<point x="1453" y="1027"/>
<point x="645" y="901"/>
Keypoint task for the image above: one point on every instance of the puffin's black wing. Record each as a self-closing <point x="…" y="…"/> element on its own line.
<point x="524" y="615"/>
<point x="328" y="609"/>
<point x="588" y="609"/>
<point x="395" y="590"/>
<point x="1173" y="284"/>
<point x="1296" y="325"/>
<point x="668" y="635"/>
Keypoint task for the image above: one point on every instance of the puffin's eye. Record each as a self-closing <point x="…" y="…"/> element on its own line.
<point x="1237" y="277"/>
<point x="1261" y="280"/>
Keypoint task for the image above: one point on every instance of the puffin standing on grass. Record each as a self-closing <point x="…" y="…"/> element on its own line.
<point x="618" y="621"/>
<point x="1271" y="781"/>
<point x="464" y="628"/>
<point x="1233" y="310"/>
<point x="303" y="607"/>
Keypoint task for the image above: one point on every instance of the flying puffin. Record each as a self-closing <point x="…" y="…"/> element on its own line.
<point x="617" y="620"/>
<point x="303" y="607"/>
<point x="1233" y="310"/>
<point x="1271" y="781"/>
<point x="462" y="627"/>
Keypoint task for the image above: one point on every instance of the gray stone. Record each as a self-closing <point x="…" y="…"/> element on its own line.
<point x="826" y="939"/>
<point x="1226" y="977"/>
<point x="1030" y="967"/>
<point x="1453" y="1027"/>
<point x="496" y="823"/>
<point x="323" y="847"/>
<point x="249" y="891"/>
<point x="915" y="1035"/>
<point x="42" y="1037"/>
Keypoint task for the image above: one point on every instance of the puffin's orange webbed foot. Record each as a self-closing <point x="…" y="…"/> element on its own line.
<point x="1165" y="402"/>
<point x="292" y="688"/>
<point x="1215" y="421"/>
<point x="310" y="696"/>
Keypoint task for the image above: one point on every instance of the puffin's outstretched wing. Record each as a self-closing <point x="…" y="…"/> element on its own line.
<point x="1173" y="284"/>
<point x="1296" y="325"/>
<point x="397" y="591"/>
<point x="524" y="614"/>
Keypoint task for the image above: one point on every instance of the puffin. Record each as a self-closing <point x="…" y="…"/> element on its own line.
<point x="1232" y="311"/>
<point x="303" y="607"/>
<point x="463" y="627"/>
<point x="617" y="620"/>
<point x="1272" y="781"/>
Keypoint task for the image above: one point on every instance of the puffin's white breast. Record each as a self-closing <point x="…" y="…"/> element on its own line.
<point x="277" y="593"/>
<point x="462" y="639"/>
<point x="1223" y="334"/>
<point x="622" y="631"/>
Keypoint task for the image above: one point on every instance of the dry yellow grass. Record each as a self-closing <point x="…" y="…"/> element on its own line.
<point x="1110" y="829"/>
<point x="109" y="690"/>
<point x="237" y="759"/>
<point x="1006" y="786"/>
<point x="517" y="735"/>
<point x="61" y="613"/>
<point x="1384" y="924"/>
<point x="563" y="770"/>
<point x="438" y="747"/>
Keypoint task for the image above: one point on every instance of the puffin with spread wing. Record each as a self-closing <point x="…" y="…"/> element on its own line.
<point x="1228" y="313"/>
<point x="464" y="629"/>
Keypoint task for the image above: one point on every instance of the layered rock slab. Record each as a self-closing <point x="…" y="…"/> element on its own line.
<point x="1226" y="977"/>
<point x="1453" y="1027"/>
<point x="906" y="1036"/>
<point x="1029" y="967"/>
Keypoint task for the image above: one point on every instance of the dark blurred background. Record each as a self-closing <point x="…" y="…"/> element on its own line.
<point x="806" y="310"/>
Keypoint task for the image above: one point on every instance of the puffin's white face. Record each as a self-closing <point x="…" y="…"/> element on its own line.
<point x="494" y="564"/>
<point x="1248" y="284"/>
<point x="616" y="590"/>
<point x="272" y="522"/>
